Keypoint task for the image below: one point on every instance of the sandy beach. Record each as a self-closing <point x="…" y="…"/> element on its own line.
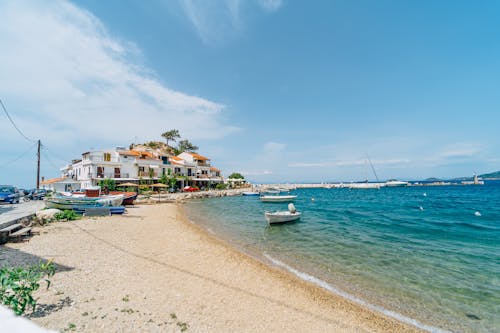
<point x="151" y="270"/>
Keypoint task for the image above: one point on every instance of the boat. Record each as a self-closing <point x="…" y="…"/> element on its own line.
<point x="277" y="198"/>
<point x="71" y="201"/>
<point x="251" y="193"/>
<point x="395" y="183"/>
<point x="279" y="217"/>
<point x="364" y="185"/>
<point x="128" y="197"/>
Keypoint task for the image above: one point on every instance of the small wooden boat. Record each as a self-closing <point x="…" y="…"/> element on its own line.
<point x="277" y="198"/>
<point x="283" y="216"/>
<point x="70" y="201"/>
<point x="128" y="197"/>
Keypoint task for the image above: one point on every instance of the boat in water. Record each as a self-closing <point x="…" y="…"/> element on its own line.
<point x="251" y="193"/>
<point x="395" y="183"/>
<point x="280" y="217"/>
<point x="364" y="185"/>
<point x="277" y="198"/>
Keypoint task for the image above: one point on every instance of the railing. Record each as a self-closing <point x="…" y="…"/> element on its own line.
<point x="101" y="159"/>
<point x="108" y="175"/>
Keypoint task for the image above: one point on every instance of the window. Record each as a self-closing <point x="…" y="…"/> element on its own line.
<point x="107" y="157"/>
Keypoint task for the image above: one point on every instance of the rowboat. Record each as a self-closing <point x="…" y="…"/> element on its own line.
<point x="250" y="193"/>
<point x="283" y="216"/>
<point x="62" y="201"/>
<point x="277" y="198"/>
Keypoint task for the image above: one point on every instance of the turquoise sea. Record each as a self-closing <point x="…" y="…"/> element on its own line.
<point x="420" y="254"/>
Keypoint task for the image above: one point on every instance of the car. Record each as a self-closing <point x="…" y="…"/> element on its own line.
<point x="38" y="194"/>
<point x="9" y="193"/>
<point x="190" y="189"/>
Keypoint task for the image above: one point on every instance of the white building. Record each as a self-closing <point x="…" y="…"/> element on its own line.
<point x="147" y="167"/>
<point x="62" y="184"/>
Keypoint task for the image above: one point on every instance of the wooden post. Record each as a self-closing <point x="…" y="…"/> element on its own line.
<point x="38" y="167"/>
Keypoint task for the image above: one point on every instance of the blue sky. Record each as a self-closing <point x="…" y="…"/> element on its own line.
<point x="278" y="90"/>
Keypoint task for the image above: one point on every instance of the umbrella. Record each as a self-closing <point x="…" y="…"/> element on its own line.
<point x="159" y="185"/>
<point x="127" y="185"/>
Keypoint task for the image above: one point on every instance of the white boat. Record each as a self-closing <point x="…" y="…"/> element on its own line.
<point x="251" y="193"/>
<point x="364" y="185"/>
<point x="62" y="201"/>
<point x="283" y="216"/>
<point x="277" y="198"/>
<point x="395" y="183"/>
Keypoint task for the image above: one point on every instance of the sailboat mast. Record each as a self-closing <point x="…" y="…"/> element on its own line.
<point x="373" y="169"/>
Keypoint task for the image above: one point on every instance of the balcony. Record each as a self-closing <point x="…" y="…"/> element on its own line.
<point x="100" y="159"/>
<point x="108" y="175"/>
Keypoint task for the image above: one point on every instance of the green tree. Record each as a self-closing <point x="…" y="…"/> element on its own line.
<point x="236" y="175"/>
<point x="171" y="135"/>
<point x="163" y="179"/>
<point x="185" y="145"/>
<point x="109" y="183"/>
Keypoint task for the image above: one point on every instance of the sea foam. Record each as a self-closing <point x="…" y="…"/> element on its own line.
<point x="332" y="289"/>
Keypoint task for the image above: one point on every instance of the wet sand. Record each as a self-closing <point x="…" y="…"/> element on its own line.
<point x="151" y="270"/>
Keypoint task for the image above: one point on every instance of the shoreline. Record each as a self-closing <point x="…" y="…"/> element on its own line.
<point x="131" y="272"/>
<point x="310" y="281"/>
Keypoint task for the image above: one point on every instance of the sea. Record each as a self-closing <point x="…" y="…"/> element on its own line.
<point x="426" y="255"/>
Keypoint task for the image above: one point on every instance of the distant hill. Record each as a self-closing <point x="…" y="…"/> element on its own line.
<point x="492" y="175"/>
<point x="432" y="180"/>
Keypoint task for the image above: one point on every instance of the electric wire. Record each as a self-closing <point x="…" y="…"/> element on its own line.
<point x="58" y="157"/>
<point x="43" y="151"/>
<point x="18" y="157"/>
<point x="13" y="123"/>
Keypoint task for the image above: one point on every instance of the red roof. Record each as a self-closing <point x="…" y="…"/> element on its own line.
<point x="52" y="181"/>
<point x="199" y="157"/>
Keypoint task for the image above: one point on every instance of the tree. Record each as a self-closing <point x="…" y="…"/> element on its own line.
<point x="171" y="135"/>
<point x="185" y="145"/>
<point x="236" y="175"/>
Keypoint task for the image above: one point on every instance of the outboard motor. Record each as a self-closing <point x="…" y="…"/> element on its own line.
<point x="291" y="208"/>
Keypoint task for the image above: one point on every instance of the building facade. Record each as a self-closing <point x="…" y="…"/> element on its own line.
<point x="142" y="167"/>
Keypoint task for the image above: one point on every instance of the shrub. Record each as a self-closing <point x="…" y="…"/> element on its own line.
<point x="18" y="284"/>
<point x="68" y="215"/>
<point x="220" y="186"/>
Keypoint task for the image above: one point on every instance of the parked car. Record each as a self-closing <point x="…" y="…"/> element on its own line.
<point x="38" y="194"/>
<point x="9" y="193"/>
<point x="190" y="189"/>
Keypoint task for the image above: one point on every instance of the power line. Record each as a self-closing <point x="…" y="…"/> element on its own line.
<point x="14" y="124"/>
<point x="18" y="158"/>
<point x="57" y="156"/>
<point x="48" y="159"/>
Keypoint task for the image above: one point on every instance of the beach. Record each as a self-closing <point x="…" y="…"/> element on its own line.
<point x="151" y="270"/>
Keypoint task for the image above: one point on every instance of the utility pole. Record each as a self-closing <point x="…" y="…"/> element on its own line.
<point x="38" y="167"/>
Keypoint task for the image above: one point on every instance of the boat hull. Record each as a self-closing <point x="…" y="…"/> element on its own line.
<point x="251" y="194"/>
<point x="278" y="198"/>
<point x="282" y="217"/>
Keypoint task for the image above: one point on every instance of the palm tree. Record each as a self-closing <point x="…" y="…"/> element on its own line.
<point x="171" y="135"/>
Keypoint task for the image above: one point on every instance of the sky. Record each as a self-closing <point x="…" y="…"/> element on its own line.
<point x="281" y="91"/>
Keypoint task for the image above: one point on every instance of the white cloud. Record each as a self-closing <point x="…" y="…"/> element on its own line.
<point x="213" y="21"/>
<point x="273" y="147"/>
<point x="68" y="80"/>
<point x="460" y="150"/>
<point x="216" y="22"/>
<point x="271" y="5"/>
